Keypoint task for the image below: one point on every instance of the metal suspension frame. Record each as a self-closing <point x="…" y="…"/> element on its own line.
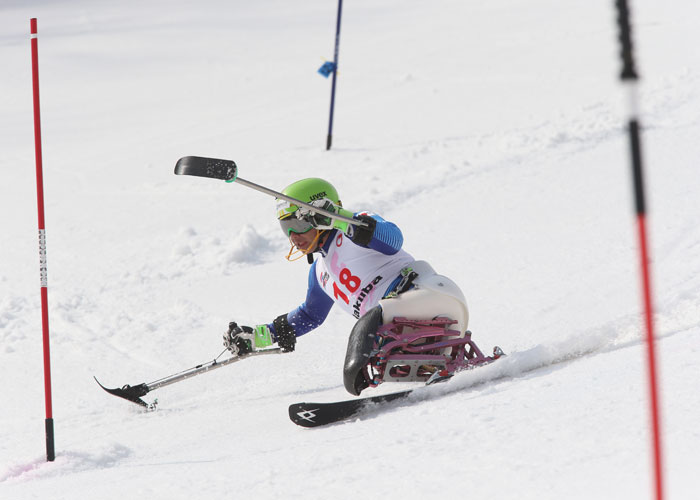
<point x="430" y="348"/>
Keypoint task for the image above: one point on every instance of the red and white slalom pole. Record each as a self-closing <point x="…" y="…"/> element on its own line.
<point x="50" y="449"/>
<point x="629" y="79"/>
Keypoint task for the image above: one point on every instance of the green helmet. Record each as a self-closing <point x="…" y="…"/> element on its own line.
<point x="306" y="190"/>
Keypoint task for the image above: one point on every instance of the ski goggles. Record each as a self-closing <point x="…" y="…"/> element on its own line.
<point x="291" y="224"/>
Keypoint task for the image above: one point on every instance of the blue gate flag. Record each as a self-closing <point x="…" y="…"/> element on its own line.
<point x="327" y="68"/>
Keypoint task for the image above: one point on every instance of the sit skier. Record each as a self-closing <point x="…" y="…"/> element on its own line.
<point x="362" y="268"/>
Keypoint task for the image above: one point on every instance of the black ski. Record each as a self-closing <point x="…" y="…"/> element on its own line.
<point x="317" y="414"/>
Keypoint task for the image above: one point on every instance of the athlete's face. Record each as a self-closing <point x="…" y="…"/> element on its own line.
<point x="303" y="240"/>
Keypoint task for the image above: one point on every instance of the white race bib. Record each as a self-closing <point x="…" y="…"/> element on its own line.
<point x="356" y="277"/>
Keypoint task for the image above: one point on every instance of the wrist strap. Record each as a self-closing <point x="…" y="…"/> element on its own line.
<point x="263" y="336"/>
<point x="341" y="224"/>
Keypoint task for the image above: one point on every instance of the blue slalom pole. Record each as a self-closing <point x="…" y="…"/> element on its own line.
<point x="329" y="140"/>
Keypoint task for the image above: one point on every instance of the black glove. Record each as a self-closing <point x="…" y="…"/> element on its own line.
<point x="238" y="339"/>
<point x="362" y="235"/>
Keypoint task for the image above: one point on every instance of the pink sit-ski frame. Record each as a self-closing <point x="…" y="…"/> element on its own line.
<point x="440" y="347"/>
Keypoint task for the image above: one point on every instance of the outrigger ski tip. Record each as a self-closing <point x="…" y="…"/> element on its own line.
<point x="130" y="393"/>
<point x="213" y="168"/>
<point x="227" y="170"/>
<point x="136" y="392"/>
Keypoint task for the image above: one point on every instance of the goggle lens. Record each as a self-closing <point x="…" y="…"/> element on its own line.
<point x="291" y="224"/>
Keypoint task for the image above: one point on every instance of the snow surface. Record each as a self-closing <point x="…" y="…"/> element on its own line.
<point x="491" y="132"/>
